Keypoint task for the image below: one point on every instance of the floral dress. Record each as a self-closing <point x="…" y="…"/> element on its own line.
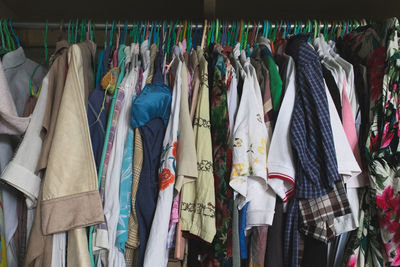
<point x="377" y="241"/>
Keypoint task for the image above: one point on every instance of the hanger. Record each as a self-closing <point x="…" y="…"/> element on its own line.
<point x="344" y="29"/>
<point x="3" y="48"/>
<point x="241" y="33"/>
<point x="82" y="30"/>
<point x="229" y="31"/>
<point x="236" y="33"/>
<point x="246" y="36"/>
<point x="150" y="34"/>
<point x="288" y="29"/>
<point x="130" y="34"/>
<point x="253" y="33"/>
<point x="220" y="32"/>
<point x="76" y="31"/>
<point x="168" y="39"/>
<point x="143" y="31"/>
<point x="316" y="29"/>
<point x="7" y="35"/>
<point x="136" y="32"/>
<point x="112" y="33"/>
<point x="124" y="33"/>
<point x="209" y="30"/>
<point x="156" y="38"/>
<point x="273" y="33"/>
<point x="13" y="33"/>
<point x="203" y="35"/>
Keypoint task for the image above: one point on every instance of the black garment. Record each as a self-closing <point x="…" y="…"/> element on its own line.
<point x="333" y="90"/>
<point x="274" y="251"/>
<point x="282" y="61"/>
<point x="147" y="193"/>
<point x="315" y="253"/>
<point x="98" y="124"/>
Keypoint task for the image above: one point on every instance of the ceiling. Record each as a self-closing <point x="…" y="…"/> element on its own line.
<point x="101" y="10"/>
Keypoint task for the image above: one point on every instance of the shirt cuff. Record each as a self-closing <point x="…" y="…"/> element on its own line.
<point x="24" y="180"/>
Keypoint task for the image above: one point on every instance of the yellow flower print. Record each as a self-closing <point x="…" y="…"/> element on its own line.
<point x="261" y="149"/>
<point x="238" y="169"/>
<point x="238" y="142"/>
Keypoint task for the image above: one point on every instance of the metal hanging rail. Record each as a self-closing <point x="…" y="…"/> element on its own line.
<point x="102" y="26"/>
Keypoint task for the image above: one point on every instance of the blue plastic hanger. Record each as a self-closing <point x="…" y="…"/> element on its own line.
<point x="13" y="33"/>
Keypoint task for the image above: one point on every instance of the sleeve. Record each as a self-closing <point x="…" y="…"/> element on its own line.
<point x="280" y="164"/>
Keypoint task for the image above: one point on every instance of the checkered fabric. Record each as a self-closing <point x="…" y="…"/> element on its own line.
<point x="317" y="214"/>
<point x="311" y="138"/>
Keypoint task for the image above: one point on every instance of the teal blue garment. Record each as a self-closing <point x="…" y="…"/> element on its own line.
<point x="242" y="228"/>
<point x="125" y="189"/>
<point x="153" y="102"/>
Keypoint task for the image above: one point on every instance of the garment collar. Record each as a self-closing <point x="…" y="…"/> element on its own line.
<point x="14" y="58"/>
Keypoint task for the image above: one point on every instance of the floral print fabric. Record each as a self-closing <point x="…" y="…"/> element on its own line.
<point x="384" y="148"/>
<point x="222" y="155"/>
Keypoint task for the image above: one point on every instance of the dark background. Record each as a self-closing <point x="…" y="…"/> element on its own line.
<point x="101" y="10"/>
<point x="133" y="10"/>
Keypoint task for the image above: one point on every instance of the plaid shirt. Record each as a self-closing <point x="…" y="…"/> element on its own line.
<point x="317" y="214"/>
<point x="311" y="138"/>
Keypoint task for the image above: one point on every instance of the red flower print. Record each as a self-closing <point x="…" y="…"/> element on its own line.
<point x="166" y="178"/>
<point x="386" y="136"/>
<point x="352" y="261"/>
<point x="389" y="214"/>
<point x="174" y="147"/>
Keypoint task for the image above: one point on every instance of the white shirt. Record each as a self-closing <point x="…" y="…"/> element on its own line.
<point x="249" y="155"/>
<point x="281" y="170"/>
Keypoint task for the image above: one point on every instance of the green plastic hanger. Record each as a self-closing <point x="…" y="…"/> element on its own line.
<point x="229" y="33"/>
<point x="130" y="34"/>
<point x="217" y="31"/>
<point x="2" y="36"/>
<point x="233" y="34"/>
<point x="246" y="36"/>
<point x="210" y="27"/>
<point x="9" y="30"/>
<point x="3" y="48"/>
<point x="316" y="29"/>
<point x="7" y="35"/>
<point x="112" y="33"/>
<point x="174" y="33"/>
<point x="326" y="31"/>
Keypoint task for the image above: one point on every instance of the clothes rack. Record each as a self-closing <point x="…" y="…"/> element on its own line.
<point x="102" y="26"/>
